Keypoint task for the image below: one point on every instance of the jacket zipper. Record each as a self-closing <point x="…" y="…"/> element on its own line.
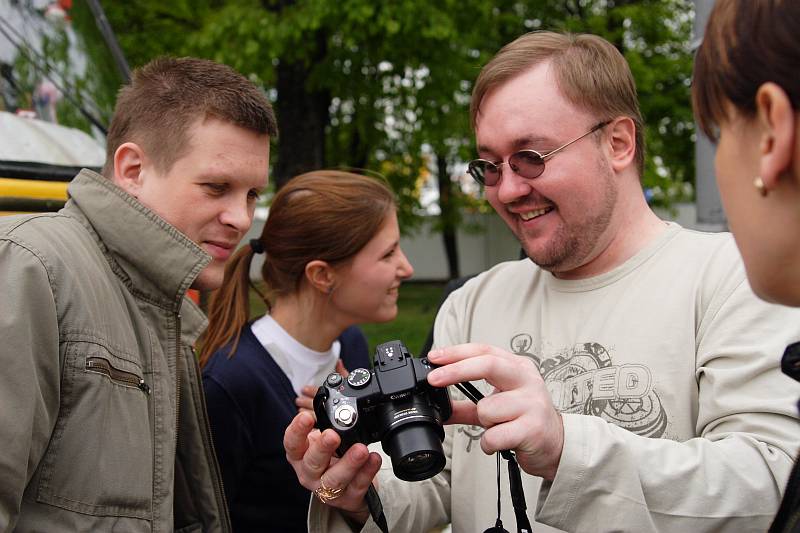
<point x="128" y="379"/>
<point x="177" y="378"/>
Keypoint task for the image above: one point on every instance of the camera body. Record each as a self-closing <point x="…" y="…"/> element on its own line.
<point x="393" y="404"/>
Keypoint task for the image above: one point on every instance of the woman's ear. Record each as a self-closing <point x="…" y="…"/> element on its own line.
<point x="321" y="275"/>
<point x="128" y="162"/>
<point x="622" y="139"/>
<point x="777" y="122"/>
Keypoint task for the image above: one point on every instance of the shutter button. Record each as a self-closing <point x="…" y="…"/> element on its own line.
<point x="345" y="415"/>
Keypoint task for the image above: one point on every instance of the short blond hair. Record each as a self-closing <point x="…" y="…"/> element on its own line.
<point x="591" y="73"/>
<point x="168" y="95"/>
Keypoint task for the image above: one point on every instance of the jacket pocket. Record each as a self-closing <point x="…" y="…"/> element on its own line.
<point x="100" y="457"/>
<point x="103" y="366"/>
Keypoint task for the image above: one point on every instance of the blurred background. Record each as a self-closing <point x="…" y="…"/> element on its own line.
<point x="369" y="84"/>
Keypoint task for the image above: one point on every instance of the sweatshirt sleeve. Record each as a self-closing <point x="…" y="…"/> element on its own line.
<point x="731" y="476"/>
<point x="30" y="379"/>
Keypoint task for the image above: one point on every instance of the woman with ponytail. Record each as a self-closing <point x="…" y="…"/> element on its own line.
<point x="332" y="260"/>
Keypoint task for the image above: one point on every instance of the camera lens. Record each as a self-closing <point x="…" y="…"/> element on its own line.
<point x="418" y="463"/>
<point x="414" y="438"/>
<point x="416" y="451"/>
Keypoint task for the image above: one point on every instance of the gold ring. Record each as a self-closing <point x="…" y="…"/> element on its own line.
<point x="326" y="494"/>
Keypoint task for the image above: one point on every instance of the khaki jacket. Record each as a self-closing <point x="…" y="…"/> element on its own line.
<point x="102" y="415"/>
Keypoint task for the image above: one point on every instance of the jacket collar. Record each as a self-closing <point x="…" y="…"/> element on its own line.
<point x="154" y="259"/>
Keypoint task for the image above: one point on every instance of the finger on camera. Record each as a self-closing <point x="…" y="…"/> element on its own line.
<point x="304" y="410"/>
<point x="460" y="352"/>
<point x="502" y="407"/>
<point x="320" y="451"/>
<point x="295" y="438"/>
<point x="304" y="402"/>
<point x="366" y="475"/>
<point x="464" y="412"/>
<point x="502" y="373"/>
<point x="340" y="369"/>
<point x="352" y="500"/>
<point x="342" y="473"/>
<point x="507" y="436"/>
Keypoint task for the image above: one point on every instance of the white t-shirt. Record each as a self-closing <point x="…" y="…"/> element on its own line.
<point x="667" y="372"/>
<point x="302" y="365"/>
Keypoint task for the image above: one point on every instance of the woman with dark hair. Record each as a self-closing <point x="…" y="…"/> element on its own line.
<point x="746" y="94"/>
<point x="332" y="260"/>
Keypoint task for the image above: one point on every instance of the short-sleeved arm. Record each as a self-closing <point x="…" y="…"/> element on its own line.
<point x="29" y="380"/>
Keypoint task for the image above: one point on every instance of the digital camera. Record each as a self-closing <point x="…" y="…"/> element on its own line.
<point x="393" y="404"/>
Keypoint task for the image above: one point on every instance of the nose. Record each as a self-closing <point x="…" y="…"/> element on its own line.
<point x="511" y="186"/>
<point x="238" y="214"/>
<point x="405" y="270"/>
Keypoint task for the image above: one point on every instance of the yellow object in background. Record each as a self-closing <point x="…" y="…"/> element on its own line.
<point x="31" y="196"/>
<point x="54" y="190"/>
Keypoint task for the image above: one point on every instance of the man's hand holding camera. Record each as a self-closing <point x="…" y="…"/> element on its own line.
<point x="519" y="415"/>
<point x="311" y="454"/>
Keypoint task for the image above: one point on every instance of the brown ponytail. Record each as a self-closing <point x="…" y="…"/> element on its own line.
<point x="229" y="308"/>
<point x="327" y="215"/>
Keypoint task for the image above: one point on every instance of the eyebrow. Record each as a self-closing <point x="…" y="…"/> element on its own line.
<point x="520" y="143"/>
<point x="388" y="249"/>
<point x="227" y="178"/>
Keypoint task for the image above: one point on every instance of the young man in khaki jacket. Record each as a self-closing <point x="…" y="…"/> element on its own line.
<point x="102" y="417"/>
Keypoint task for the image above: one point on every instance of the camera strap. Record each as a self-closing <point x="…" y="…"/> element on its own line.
<point x="514" y="475"/>
<point x="517" y="494"/>
<point x="376" y="508"/>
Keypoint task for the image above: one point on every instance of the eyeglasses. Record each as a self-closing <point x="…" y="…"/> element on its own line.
<point x="527" y="163"/>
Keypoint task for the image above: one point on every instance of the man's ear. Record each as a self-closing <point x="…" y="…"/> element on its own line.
<point x="778" y="125"/>
<point x="321" y="276"/>
<point x="622" y="142"/>
<point x="128" y="162"/>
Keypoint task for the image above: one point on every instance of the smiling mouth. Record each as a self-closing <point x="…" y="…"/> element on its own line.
<point x="530" y="215"/>
<point x="219" y="249"/>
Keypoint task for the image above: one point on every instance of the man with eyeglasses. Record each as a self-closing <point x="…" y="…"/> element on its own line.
<point x="627" y="363"/>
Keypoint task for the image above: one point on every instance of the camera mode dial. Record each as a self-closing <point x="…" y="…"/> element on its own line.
<point x="334" y="380"/>
<point x="359" y="378"/>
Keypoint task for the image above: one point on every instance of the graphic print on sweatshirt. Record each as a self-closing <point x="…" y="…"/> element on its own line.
<point x="583" y="379"/>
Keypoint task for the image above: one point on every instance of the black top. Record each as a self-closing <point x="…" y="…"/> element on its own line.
<point x="788" y="518"/>
<point x="250" y="403"/>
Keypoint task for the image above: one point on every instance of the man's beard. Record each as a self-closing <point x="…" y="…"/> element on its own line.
<point x="572" y="244"/>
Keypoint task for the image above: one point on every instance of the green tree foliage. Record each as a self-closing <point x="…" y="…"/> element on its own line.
<point x="385" y="85"/>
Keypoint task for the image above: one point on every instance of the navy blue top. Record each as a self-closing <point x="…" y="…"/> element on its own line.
<point x="250" y="403"/>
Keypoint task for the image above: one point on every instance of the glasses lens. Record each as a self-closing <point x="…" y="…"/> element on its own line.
<point x="484" y="172"/>
<point x="527" y="163"/>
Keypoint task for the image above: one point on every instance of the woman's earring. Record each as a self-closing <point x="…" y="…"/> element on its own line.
<point x="760" y="187"/>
